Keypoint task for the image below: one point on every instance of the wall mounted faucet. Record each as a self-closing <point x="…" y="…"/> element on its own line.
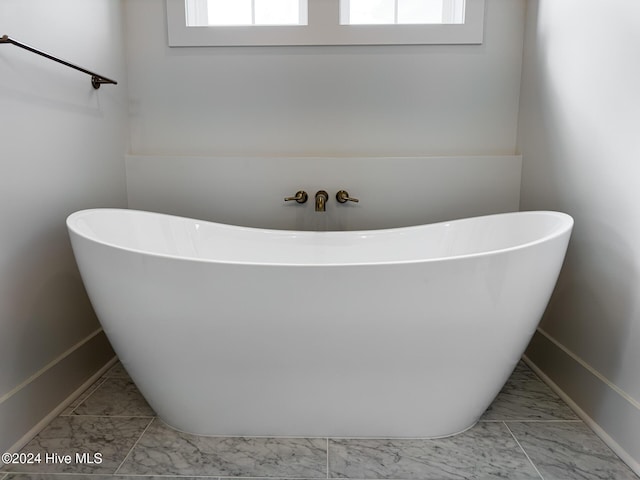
<point x="321" y="200"/>
<point x="322" y="197"/>
<point x="300" y="197"/>
<point x="343" y="196"/>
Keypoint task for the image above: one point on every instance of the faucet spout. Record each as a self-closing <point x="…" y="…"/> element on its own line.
<point x="321" y="200"/>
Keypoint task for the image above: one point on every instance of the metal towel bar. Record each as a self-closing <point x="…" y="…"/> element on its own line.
<point x="96" y="79"/>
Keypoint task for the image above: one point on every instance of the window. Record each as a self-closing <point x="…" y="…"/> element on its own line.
<point x="324" y="22"/>
<point x="230" y="13"/>
<point x="401" y="12"/>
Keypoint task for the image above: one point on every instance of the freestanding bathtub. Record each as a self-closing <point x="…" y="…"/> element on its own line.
<point x="406" y="332"/>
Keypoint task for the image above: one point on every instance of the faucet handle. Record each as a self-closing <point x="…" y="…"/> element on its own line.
<point x="300" y="197"/>
<point x="343" y="196"/>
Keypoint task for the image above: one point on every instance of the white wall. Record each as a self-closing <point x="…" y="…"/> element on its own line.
<point x="311" y="116"/>
<point x="62" y="145"/>
<point x="392" y="192"/>
<point x="579" y="136"/>
<point x="324" y="101"/>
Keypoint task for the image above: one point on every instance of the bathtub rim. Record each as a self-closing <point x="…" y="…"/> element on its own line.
<point x="564" y="228"/>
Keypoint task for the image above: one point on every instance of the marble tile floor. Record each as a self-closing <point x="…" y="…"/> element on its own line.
<point x="527" y="433"/>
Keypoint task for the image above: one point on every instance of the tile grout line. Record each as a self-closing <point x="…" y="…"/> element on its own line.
<point x="110" y="416"/>
<point x="523" y="451"/>
<point x="525" y="420"/>
<point x="280" y="477"/>
<point x="266" y="478"/>
<point x="133" y="447"/>
<point x="327" y="457"/>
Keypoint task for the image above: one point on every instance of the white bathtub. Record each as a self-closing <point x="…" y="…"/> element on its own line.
<point x="407" y="332"/>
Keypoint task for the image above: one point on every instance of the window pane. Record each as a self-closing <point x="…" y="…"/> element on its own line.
<point x="225" y="12"/>
<point x="377" y="12"/>
<point x="371" y="12"/>
<point x="453" y="11"/>
<point x="419" y="11"/>
<point x="278" y="12"/>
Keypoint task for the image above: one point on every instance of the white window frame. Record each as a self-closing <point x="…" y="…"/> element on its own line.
<point x="324" y="28"/>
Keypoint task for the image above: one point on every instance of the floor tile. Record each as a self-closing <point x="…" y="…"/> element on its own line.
<point x="526" y="397"/>
<point x="111" y="437"/>
<point x="117" y="371"/>
<point x="487" y="451"/>
<point x="569" y="451"/>
<point x="165" y="451"/>
<point x="105" y="419"/>
<point x="115" y="396"/>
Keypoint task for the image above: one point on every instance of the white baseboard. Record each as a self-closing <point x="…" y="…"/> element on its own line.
<point x="609" y="411"/>
<point x="29" y="407"/>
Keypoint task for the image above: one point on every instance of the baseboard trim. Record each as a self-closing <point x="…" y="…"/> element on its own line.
<point x="48" y="366"/>
<point x="60" y="408"/>
<point x="590" y="369"/>
<point x="575" y="381"/>
<point x="30" y="406"/>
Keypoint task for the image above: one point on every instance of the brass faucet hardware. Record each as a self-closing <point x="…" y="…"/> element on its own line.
<point x="300" y="197"/>
<point x="343" y="196"/>
<point x="321" y="200"/>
